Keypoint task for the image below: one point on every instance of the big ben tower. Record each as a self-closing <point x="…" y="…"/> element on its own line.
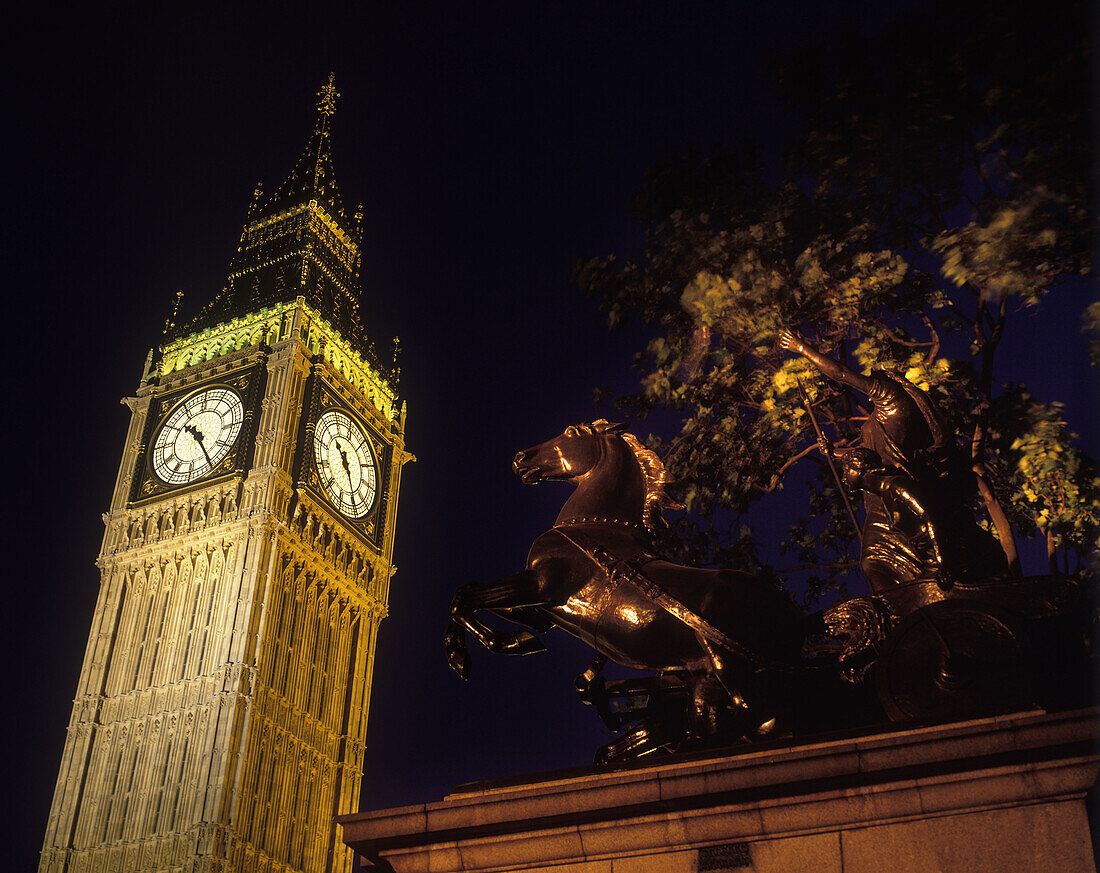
<point x="220" y="716"/>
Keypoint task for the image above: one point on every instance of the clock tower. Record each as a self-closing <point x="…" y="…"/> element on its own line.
<point x="221" y="711"/>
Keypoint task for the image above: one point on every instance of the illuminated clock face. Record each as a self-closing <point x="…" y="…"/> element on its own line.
<point x="197" y="436"/>
<point x="345" y="463"/>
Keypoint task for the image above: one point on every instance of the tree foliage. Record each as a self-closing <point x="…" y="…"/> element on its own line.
<point x="940" y="187"/>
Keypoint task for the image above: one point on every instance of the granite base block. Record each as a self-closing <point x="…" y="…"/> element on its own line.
<point x="982" y="796"/>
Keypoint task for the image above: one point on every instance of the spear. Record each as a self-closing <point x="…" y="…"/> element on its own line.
<point x="821" y="441"/>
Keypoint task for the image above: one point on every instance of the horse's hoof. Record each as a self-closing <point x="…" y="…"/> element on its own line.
<point x="766" y="728"/>
<point x="460" y="663"/>
<point x="457" y="656"/>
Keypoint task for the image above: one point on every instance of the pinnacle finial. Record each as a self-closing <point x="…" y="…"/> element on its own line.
<point x="170" y="323"/>
<point x="327" y="96"/>
<point x="257" y="194"/>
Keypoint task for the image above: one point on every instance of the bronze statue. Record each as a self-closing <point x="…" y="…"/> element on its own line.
<point x="918" y="535"/>
<point x="725" y="648"/>
<point x="918" y="465"/>
<point x="946" y="629"/>
<point x="714" y="634"/>
<point x="904" y="546"/>
<point x="904" y="425"/>
<point x="944" y="633"/>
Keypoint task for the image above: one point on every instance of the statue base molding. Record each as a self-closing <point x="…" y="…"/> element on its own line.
<point x="980" y="796"/>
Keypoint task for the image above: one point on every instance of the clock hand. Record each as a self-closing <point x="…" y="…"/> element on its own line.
<point x="196" y="434"/>
<point x="344" y="461"/>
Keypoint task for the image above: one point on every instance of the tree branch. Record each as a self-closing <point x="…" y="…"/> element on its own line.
<point x="953" y="308"/>
<point x="934" y="351"/>
<point x="790" y="462"/>
<point x="976" y="159"/>
<point x="911" y="344"/>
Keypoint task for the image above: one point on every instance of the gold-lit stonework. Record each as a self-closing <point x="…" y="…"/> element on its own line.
<point x="220" y="716"/>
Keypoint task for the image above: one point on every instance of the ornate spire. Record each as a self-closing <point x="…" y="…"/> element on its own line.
<point x="170" y="322"/>
<point x="257" y="195"/>
<point x="327" y="96"/>
<point x="299" y="242"/>
<point x="312" y="177"/>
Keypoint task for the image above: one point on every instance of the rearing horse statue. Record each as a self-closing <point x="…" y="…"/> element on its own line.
<point x="594" y="575"/>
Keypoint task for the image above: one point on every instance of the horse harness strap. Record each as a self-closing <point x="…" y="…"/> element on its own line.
<point x="619" y="570"/>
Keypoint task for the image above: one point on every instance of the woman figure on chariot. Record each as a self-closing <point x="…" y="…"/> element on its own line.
<point x="908" y="435"/>
<point x="905" y="428"/>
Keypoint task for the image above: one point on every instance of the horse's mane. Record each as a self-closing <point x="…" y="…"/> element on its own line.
<point x="653" y="472"/>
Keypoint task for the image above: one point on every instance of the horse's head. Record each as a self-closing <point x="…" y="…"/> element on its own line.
<point x="628" y="479"/>
<point x="569" y="455"/>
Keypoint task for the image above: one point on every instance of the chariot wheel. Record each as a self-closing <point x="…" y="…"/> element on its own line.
<point x="953" y="659"/>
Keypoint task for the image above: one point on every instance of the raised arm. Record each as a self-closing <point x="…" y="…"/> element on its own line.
<point x="792" y="342"/>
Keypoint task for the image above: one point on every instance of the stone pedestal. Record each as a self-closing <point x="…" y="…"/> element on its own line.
<point x="984" y="796"/>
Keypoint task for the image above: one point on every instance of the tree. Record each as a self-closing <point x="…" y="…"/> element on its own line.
<point x="941" y="186"/>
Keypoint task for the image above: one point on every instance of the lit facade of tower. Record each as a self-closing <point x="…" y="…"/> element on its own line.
<point x="220" y="716"/>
